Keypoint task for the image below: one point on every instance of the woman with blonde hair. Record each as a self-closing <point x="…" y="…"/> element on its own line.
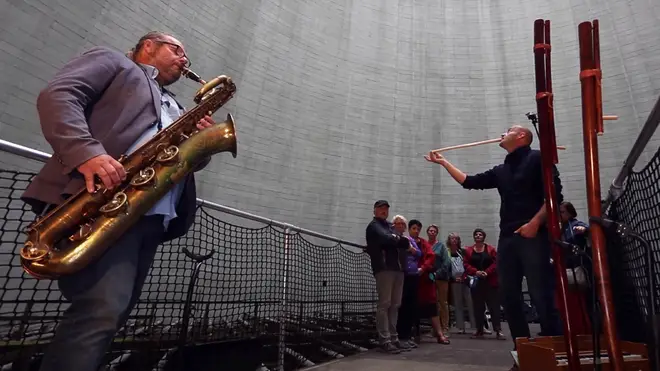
<point x="408" y="311"/>
<point x="460" y="292"/>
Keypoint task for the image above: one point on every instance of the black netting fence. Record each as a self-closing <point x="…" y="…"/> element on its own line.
<point x="639" y="208"/>
<point x="266" y="298"/>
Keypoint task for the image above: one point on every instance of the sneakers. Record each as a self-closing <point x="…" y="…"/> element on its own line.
<point x="397" y="347"/>
<point x="390" y="348"/>
<point x="404" y="346"/>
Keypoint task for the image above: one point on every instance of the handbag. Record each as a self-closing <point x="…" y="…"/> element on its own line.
<point x="472" y="281"/>
<point x="577" y="278"/>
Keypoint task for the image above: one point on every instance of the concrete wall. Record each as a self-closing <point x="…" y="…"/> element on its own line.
<point x="338" y="100"/>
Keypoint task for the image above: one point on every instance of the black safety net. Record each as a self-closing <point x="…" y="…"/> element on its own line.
<point x="265" y="297"/>
<point x="637" y="208"/>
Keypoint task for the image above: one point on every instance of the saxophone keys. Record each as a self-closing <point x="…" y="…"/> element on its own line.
<point x="168" y="155"/>
<point x="33" y="252"/>
<point x="84" y="232"/>
<point x="117" y="205"/>
<point x="144" y="177"/>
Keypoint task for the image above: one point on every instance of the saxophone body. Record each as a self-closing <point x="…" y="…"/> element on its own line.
<point x="80" y="230"/>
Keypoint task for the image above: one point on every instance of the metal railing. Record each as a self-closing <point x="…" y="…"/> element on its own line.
<point x="645" y="135"/>
<point x="33" y="154"/>
<point x="291" y="316"/>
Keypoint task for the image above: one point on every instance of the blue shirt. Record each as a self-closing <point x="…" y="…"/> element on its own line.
<point x="569" y="235"/>
<point x="169" y="112"/>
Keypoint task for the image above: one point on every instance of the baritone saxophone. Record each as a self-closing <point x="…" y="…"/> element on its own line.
<point x="78" y="231"/>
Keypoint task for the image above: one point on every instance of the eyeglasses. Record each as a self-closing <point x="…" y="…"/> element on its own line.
<point x="178" y="50"/>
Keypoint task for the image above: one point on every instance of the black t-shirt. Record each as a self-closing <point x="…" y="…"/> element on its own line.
<point x="519" y="181"/>
<point x="481" y="260"/>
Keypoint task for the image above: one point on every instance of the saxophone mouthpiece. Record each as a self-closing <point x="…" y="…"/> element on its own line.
<point x="192" y="75"/>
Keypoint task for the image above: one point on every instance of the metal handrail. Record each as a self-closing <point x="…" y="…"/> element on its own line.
<point x="33" y="154"/>
<point x="645" y="135"/>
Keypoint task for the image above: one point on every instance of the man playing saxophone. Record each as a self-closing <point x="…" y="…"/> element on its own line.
<point x="100" y="105"/>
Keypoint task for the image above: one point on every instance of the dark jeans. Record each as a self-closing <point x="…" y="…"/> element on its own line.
<point x="529" y="257"/>
<point x="102" y="296"/>
<point x="408" y="312"/>
<point x="484" y="294"/>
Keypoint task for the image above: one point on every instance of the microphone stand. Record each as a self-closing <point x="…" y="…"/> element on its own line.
<point x="624" y="231"/>
<point x="535" y="120"/>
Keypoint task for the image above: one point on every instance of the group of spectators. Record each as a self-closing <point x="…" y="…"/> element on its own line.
<point x="416" y="277"/>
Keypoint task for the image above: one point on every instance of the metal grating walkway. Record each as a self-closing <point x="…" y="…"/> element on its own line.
<point x="462" y="354"/>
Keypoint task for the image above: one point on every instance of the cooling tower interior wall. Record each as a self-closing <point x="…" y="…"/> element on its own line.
<point x="338" y="100"/>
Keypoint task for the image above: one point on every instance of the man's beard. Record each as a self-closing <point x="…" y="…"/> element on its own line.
<point x="171" y="81"/>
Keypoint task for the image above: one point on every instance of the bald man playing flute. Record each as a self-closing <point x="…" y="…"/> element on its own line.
<point x="523" y="248"/>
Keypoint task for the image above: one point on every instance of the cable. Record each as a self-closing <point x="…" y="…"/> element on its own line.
<point x="595" y="312"/>
<point x="624" y="231"/>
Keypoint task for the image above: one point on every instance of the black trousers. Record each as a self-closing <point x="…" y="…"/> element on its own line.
<point x="483" y="294"/>
<point x="519" y="257"/>
<point x="409" y="309"/>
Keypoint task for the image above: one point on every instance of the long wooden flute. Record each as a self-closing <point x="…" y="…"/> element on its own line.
<point x="496" y="140"/>
<point x="473" y="144"/>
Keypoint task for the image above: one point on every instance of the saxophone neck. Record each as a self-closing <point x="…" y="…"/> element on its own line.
<point x="192" y="75"/>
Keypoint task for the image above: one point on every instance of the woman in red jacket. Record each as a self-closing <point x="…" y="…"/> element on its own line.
<point x="428" y="302"/>
<point x="480" y="264"/>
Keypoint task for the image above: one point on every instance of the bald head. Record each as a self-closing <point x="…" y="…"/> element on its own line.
<point x="517" y="136"/>
<point x="524" y="134"/>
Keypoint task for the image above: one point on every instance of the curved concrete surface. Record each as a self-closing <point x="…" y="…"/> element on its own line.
<point x="338" y="100"/>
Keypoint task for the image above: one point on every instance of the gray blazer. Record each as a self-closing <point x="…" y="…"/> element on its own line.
<point x="98" y="103"/>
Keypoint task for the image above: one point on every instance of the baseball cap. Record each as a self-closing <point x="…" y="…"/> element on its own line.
<point x="380" y="203"/>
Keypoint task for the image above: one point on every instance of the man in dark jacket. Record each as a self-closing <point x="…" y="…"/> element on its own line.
<point x="387" y="250"/>
<point x="524" y="245"/>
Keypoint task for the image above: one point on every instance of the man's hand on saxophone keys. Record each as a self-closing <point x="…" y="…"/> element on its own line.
<point x="205" y="122"/>
<point x="109" y="170"/>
